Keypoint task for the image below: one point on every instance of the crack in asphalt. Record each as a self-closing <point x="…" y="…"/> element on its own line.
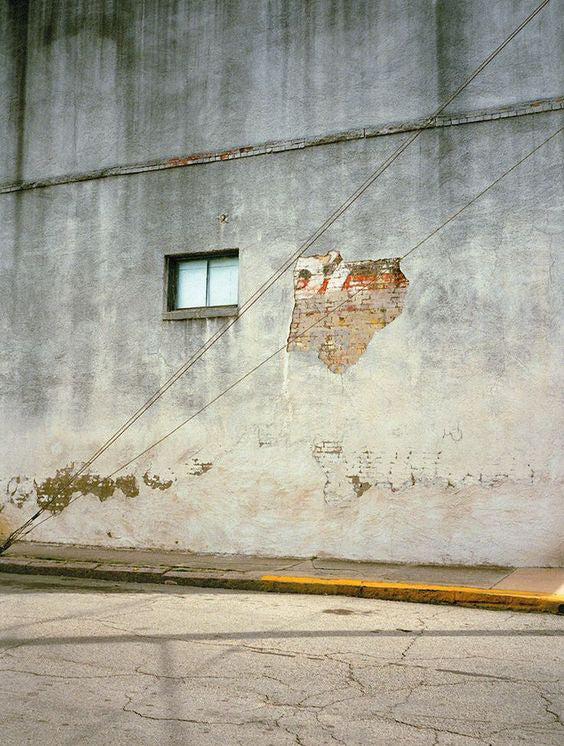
<point x="311" y="711"/>
<point x="548" y="704"/>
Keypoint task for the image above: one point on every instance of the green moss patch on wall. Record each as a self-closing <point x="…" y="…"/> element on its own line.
<point x="54" y="493"/>
<point x="155" y="482"/>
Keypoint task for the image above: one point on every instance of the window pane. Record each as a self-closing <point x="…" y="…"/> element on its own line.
<point x="191" y="283"/>
<point x="223" y="281"/>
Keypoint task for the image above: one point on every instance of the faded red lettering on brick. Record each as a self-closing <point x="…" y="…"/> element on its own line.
<point x="365" y="295"/>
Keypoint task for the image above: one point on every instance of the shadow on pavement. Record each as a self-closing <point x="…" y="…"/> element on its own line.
<point x="286" y="635"/>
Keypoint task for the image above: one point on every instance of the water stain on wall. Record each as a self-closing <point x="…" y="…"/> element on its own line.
<point x="367" y="295"/>
<point x="6" y="528"/>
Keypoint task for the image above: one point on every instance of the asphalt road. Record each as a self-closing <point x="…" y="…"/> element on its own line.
<point x="88" y="662"/>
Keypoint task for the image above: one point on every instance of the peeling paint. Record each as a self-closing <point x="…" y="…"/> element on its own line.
<point x="376" y="290"/>
<point x="154" y="481"/>
<point x="20" y="489"/>
<point x="338" y="488"/>
<point x="56" y="489"/>
<point x="359" y="487"/>
<point x="350" y="475"/>
<point x="198" y="467"/>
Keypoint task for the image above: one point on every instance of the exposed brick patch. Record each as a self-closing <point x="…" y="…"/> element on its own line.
<point x="346" y="477"/>
<point x="350" y="472"/>
<point x="367" y="295"/>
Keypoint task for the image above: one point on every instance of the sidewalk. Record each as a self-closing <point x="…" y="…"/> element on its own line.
<point x="523" y="589"/>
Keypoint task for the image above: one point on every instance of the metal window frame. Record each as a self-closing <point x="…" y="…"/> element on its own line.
<point x="171" y="261"/>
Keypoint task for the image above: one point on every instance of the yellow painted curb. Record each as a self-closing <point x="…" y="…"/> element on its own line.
<point x="419" y="592"/>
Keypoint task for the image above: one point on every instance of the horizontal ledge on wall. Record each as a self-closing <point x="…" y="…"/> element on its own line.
<point x="204" y="312"/>
<point x="194" y="159"/>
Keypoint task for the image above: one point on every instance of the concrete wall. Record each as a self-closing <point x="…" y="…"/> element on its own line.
<point x="94" y="83"/>
<point x="441" y="442"/>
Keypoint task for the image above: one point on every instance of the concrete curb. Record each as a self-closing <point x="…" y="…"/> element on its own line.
<point x="486" y="598"/>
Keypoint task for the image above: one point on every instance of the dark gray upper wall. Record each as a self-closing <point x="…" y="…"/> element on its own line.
<point x="94" y="83"/>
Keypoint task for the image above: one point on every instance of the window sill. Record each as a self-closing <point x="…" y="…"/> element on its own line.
<point x="204" y="312"/>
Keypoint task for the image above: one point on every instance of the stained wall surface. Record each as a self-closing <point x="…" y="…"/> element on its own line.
<point x="95" y="83"/>
<point x="440" y="441"/>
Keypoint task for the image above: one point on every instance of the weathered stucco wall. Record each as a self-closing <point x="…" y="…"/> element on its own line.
<point x="440" y="442"/>
<point x="95" y="83"/>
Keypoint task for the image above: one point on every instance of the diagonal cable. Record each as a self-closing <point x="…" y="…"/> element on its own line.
<point x="287" y="264"/>
<point x="295" y="336"/>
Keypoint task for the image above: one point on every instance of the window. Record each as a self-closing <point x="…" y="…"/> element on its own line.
<point x="200" y="285"/>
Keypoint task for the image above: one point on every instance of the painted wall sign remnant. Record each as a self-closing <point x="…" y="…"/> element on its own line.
<point x="375" y="291"/>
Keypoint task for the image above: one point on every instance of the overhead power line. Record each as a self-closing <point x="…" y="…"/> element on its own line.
<point x="480" y="194"/>
<point x="283" y="268"/>
<point x="302" y="333"/>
